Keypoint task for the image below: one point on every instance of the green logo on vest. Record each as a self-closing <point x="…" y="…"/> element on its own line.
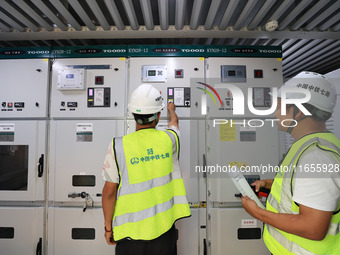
<point x="134" y="161"/>
<point x="149" y="157"/>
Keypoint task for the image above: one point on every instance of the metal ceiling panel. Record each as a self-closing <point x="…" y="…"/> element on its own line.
<point x="11" y="22"/>
<point x="317" y="7"/>
<point x="212" y="14"/>
<point x="281" y="10"/>
<point x="295" y="47"/>
<point x="163" y="6"/>
<point x="180" y="13"/>
<point x="63" y="11"/>
<point x="46" y="43"/>
<point x="112" y="8"/>
<point x="130" y="12"/>
<point x="299" y="8"/>
<point x="18" y="16"/>
<point x="245" y="13"/>
<point x="330" y="22"/>
<point x="327" y="65"/>
<point x="320" y="64"/>
<point x="266" y="7"/>
<point x="31" y="13"/>
<point x="313" y="51"/>
<point x="308" y="30"/>
<point x="300" y="50"/>
<point x="82" y="14"/>
<point x="147" y="14"/>
<point x="48" y="13"/>
<point x="196" y="12"/>
<point x="323" y="16"/>
<point x="278" y="42"/>
<point x="288" y="44"/>
<point x="336" y="28"/>
<point x="9" y="44"/>
<point x="4" y="27"/>
<point x="227" y="15"/>
<point x="34" y="43"/>
<point x="99" y="14"/>
<point x="320" y="52"/>
<point x="71" y="42"/>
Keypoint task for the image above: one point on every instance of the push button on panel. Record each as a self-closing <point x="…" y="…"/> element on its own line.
<point x="72" y="104"/>
<point x="19" y="104"/>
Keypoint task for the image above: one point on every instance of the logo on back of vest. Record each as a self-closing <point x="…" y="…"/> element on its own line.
<point x="134" y="161"/>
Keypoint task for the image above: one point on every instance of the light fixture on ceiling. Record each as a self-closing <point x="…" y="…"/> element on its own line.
<point x="271" y="25"/>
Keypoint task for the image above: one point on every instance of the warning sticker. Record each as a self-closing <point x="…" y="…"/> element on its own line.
<point x="227" y="133"/>
<point x="249" y="223"/>
<point x="7" y="127"/>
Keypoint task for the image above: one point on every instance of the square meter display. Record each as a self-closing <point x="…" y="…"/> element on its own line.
<point x="233" y="73"/>
<point x="71" y="79"/>
<point x="154" y="73"/>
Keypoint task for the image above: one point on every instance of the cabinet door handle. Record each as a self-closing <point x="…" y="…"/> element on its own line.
<point x="41" y="166"/>
<point x="39" y="247"/>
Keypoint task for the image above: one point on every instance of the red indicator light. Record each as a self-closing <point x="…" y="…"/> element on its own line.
<point x="179" y="73"/>
<point x="99" y="80"/>
<point x="258" y="73"/>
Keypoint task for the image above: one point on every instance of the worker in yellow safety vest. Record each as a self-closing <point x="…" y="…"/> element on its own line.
<point x="302" y="214"/>
<point x="144" y="193"/>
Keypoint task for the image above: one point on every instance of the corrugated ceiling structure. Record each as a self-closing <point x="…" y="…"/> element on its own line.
<point x="307" y="30"/>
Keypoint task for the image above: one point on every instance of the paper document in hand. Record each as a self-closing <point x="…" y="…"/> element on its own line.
<point x="243" y="186"/>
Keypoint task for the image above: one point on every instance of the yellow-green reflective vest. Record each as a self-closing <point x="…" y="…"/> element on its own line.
<point x="280" y="201"/>
<point x="151" y="194"/>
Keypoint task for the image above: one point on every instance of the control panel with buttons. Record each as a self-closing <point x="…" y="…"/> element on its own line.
<point x="179" y="96"/>
<point x="82" y="89"/>
<point x="9" y="106"/>
<point x="261" y="97"/>
<point x="98" y="97"/>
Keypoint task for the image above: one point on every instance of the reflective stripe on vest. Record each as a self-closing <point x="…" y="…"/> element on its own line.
<point x="282" y="245"/>
<point x="280" y="200"/>
<point x="151" y="194"/>
<point x="143" y="186"/>
<point x="149" y="212"/>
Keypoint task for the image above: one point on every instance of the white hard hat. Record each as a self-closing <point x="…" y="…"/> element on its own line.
<point x="323" y="92"/>
<point x="146" y="100"/>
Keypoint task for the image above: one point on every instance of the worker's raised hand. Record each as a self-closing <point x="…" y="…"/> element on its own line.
<point x="173" y="118"/>
<point x="171" y="107"/>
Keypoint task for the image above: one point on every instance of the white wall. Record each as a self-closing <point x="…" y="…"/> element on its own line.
<point x="335" y="78"/>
